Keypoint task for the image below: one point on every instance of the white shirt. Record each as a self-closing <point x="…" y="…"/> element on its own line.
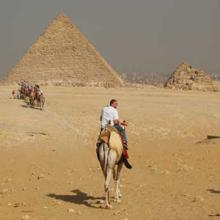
<point x="109" y="113"/>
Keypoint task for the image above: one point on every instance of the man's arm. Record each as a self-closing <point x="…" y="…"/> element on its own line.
<point x="124" y="123"/>
<point x="117" y="121"/>
<point x="116" y="118"/>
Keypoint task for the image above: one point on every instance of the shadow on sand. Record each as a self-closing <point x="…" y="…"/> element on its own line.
<point x="210" y="139"/>
<point x="213" y="191"/>
<point x="32" y="107"/>
<point x="214" y="215"/>
<point x="80" y="198"/>
<point x="25" y="106"/>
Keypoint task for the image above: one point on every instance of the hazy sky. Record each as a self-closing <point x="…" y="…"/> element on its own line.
<point x="133" y="35"/>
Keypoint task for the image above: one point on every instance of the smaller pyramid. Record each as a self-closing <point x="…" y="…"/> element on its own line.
<point x="185" y="77"/>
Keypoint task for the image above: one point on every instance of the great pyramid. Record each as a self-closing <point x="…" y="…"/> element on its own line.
<point x="63" y="55"/>
<point x="185" y="77"/>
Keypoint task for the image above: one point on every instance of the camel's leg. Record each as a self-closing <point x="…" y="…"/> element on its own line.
<point x="41" y="105"/>
<point x="107" y="183"/>
<point x="103" y="170"/>
<point x="102" y="158"/>
<point x="117" y="183"/>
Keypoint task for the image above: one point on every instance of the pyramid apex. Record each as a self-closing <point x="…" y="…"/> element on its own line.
<point x="62" y="17"/>
<point x="184" y="63"/>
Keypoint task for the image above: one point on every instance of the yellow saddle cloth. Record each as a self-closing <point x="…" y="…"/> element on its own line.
<point x="111" y="137"/>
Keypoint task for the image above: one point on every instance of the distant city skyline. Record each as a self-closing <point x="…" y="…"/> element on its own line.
<point x="143" y="36"/>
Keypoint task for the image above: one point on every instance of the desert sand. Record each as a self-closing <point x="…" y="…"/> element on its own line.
<point x="49" y="168"/>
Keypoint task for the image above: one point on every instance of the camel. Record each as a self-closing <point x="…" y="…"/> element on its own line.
<point x="37" y="100"/>
<point x="109" y="156"/>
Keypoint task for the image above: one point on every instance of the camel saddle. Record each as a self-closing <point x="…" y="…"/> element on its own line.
<point x="112" y="138"/>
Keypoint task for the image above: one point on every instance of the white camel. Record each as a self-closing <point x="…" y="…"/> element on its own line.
<point x="110" y="160"/>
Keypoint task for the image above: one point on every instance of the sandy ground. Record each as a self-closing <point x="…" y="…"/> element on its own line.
<point x="49" y="168"/>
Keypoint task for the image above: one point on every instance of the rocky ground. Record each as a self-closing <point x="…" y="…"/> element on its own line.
<point x="49" y="168"/>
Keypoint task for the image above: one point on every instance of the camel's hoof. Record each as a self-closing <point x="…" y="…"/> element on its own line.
<point x="100" y="202"/>
<point x="108" y="206"/>
<point x="118" y="195"/>
<point x="117" y="200"/>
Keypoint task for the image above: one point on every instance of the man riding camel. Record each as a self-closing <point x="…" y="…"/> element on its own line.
<point x="109" y="116"/>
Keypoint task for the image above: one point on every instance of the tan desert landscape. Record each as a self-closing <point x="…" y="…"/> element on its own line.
<point x="49" y="168"/>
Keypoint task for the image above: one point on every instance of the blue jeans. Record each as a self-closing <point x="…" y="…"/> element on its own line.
<point x="123" y="135"/>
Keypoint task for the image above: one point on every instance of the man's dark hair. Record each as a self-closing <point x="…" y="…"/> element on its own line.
<point x="112" y="101"/>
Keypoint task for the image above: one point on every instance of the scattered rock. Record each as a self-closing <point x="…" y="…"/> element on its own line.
<point x="19" y="204"/>
<point x="198" y="199"/>
<point x="185" y="167"/>
<point x="116" y="213"/>
<point x="166" y="172"/>
<point x="25" y="217"/>
<point x="193" y="198"/>
<point x="70" y="210"/>
<point x="58" y="202"/>
<point x="41" y="176"/>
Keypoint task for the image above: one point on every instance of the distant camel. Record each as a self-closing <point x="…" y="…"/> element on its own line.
<point x="37" y="101"/>
<point x="109" y="156"/>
